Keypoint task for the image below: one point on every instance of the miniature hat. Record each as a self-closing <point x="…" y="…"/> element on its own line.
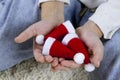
<point x="57" y="33"/>
<point x="56" y="49"/>
<point x="73" y="42"/>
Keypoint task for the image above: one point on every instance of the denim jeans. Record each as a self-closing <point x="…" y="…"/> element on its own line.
<point x="15" y="16"/>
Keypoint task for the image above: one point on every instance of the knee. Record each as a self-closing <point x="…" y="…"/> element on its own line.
<point x="113" y="45"/>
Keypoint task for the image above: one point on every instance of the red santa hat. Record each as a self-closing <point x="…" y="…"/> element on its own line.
<point x="57" y="33"/>
<point x="77" y="45"/>
<point x="56" y="49"/>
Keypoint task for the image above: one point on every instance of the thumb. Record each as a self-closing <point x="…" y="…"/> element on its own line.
<point x="97" y="55"/>
<point x="35" y="29"/>
<point x="26" y="34"/>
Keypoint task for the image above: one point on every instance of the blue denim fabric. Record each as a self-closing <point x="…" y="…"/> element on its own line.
<point x="16" y="16"/>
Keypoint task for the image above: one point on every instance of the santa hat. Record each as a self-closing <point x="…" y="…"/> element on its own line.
<point x="57" y="33"/>
<point x="89" y="67"/>
<point x="56" y="49"/>
<point x="77" y="45"/>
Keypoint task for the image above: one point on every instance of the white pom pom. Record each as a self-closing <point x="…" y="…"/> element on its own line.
<point x="89" y="67"/>
<point x="79" y="58"/>
<point x="40" y="39"/>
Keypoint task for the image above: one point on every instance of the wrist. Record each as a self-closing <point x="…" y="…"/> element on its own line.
<point x="92" y="27"/>
<point x="53" y="11"/>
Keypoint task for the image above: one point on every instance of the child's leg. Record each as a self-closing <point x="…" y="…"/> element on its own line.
<point x="110" y="66"/>
<point x="15" y="16"/>
<point x="72" y="12"/>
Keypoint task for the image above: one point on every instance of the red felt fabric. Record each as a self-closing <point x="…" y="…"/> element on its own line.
<point x="59" y="50"/>
<point x="58" y="33"/>
<point x="77" y="45"/>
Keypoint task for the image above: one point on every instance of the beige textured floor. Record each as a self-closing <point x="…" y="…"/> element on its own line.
<point x="31" y="70"/>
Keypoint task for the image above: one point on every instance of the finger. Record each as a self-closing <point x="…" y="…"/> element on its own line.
<point x="35" y="29"/>
<point x="97" y="55"/>
<point x="37" y="52"/>
<point x="61" y="59"/>
<point x="60" y="67"/>
<point x="38" y="56"/>
<point x="55" y="62"/>
<point x="26" y="34"/>
<point x="48" y="59"/>
<point x="70" y="64"/>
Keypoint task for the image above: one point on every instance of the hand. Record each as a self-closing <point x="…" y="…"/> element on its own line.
<point x="52" y="14"/>
<point x="62" y="64"/>
<point x="41" y="27"/>
<point x="90" y="34"/>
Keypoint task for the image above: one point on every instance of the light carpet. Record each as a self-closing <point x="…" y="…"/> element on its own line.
<point x="31" y="70"/>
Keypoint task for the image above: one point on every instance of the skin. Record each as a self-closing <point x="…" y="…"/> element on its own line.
<point x="52" y="14"/>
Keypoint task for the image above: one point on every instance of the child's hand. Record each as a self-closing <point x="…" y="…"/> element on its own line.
<point x="90" y="34"/>
<point x="33" y="31"/>
<point x="52" y="14"/>
<point x="62" y="64"/>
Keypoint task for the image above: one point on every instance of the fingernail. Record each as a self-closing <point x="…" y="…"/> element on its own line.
<point x="98" y="64"/>
<point x="15" y="39"/>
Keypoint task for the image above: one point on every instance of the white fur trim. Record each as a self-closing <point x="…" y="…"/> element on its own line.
<point x="89" y="67"/>
<point x="79" y="58"/>
<point x="47" y="45"/>
<point x="40" y="39"/>
<point x="68" y="37"/>
<point x="69" y="27"/>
